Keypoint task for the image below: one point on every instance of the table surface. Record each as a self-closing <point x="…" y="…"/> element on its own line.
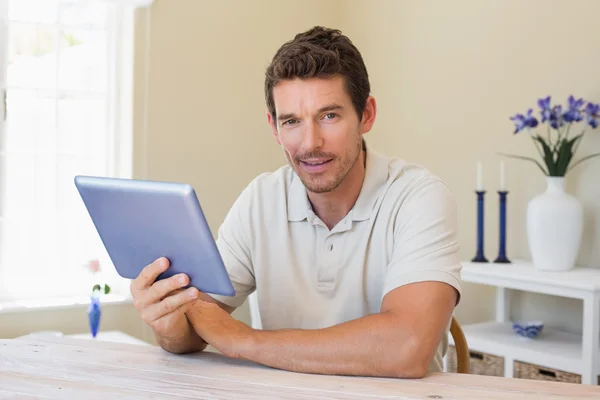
<point x="63" y="367"/>
<point x="110" y="336"/>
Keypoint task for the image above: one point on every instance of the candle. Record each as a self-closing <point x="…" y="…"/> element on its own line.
<point x="479" y="177"/>
<point x="502" y="176"/>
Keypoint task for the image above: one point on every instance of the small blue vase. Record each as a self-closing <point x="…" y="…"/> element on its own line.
<point x="94" y="314"/>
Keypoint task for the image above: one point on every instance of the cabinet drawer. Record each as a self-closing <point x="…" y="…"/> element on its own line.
<point x="538" y="372"/>
<point x="480" y="363"/>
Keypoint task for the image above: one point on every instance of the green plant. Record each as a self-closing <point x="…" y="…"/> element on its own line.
<point x="94" y="267"/>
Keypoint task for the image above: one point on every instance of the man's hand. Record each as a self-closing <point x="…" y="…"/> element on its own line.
<point x="217" y="327"/>
<point x="162" y="305"/>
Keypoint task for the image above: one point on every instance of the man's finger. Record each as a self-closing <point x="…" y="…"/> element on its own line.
<point x="184" y="308"/>
<point x="161" y="289"/>
<point x="149" y="274"/>
<point x="170" y="304"/>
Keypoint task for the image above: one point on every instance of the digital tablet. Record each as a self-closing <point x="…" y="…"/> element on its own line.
<point x="140" y="220"/>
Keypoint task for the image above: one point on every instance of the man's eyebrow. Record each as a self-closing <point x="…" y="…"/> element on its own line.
<point x="328" y="107"/>
<point x="282" y="117"/>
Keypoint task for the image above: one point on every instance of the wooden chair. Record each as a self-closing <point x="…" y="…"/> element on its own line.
<point x="462" y="349"/>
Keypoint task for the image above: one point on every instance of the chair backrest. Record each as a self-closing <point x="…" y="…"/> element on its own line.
<point x="462" y="349"/>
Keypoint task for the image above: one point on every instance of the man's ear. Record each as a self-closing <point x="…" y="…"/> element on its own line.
<point x="368" y="117"/>
<point x="273" y="123"/>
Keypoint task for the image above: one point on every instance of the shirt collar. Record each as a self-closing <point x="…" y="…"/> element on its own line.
<point x="298" y="205"/>
<point x="376" y="175"/>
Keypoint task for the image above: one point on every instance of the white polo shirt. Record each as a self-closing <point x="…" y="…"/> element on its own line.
<point x="402" y="229"/>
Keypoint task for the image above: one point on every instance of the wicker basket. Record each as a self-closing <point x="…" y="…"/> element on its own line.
<point x="480" y="363"/>
<point x="532" y="371"/>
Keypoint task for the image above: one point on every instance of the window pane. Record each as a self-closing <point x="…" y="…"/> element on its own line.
<point x="82" y="125"/>
<point x="17" y="253"/>
<point x="45" y="120"/>
<point x="33" y="10"/>
<point x="76" y="232"/>
<point x="45" y="189"/>
<point x="3" y="48"/>
<point x="30" y="124"/>
<point x="83" y="60"/>
<point x="20" y="191"/>
<point x="3" y="10"/>
<point x="83" y="13"/>
<point x="70" y="206"/>
<point x="31" y="56"/>
<point x="3" y="244"/>
<point x="21" y="126"/>
<point x="3" y="176"/>
<point x="68" y="197"/>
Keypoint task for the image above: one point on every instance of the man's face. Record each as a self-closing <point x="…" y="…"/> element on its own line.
<point x="318" y="129"/>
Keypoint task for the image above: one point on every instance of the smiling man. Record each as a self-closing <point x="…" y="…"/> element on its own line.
<point x="352" y="256"/>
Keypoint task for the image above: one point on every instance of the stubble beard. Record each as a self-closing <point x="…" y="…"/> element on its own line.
<point x="315" y="184"/>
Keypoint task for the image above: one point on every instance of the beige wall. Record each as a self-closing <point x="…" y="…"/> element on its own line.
<point x="447" y="75"/>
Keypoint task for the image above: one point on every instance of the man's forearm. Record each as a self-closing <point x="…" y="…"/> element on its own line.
<point x="186" y="341"/>
<point x="375" y="345"/>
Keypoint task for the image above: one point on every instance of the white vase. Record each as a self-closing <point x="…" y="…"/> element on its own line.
<point x="554" y="227"/>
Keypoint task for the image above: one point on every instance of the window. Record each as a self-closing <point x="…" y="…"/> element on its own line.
<point x="65" y="72"/>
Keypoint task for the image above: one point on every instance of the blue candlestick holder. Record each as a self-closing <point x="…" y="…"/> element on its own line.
<point x="480" y="257"/>
<point x="502" y="226"/>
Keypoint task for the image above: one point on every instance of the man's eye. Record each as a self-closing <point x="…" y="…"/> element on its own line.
<point x="330" y="115"/>
<point x="290" y="122"/>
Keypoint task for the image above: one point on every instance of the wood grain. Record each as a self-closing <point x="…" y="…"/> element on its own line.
<point x="6" y="395"/>
<point x="59" y="367"/>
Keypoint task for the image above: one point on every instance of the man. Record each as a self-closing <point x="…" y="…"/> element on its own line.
<point x="352" y="256"/>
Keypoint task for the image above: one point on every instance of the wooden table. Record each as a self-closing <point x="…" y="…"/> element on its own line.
<point x="62" y="367"/>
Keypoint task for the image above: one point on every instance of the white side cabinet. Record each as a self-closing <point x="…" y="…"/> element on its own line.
<point x="578" y="354"/>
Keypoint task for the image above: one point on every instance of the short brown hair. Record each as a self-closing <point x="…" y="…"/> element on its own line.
<point x="320" y="53"/>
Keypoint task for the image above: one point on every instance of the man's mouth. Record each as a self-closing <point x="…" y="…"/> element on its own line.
<point x="315" y="162"/>
<point x="315" y="165"/>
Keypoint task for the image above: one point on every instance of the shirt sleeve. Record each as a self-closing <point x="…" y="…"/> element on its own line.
<point x="426" y="238"/>
<point x="233" y="245"/>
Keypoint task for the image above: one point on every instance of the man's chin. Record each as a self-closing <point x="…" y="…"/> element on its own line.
<point x="318" y="185"/>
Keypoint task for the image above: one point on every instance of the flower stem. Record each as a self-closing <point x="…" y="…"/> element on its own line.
<point x="579" y="141"/>
<point x="535" y="144"/>
<point x="582" y="160"/>
<point x="567" y="132"/>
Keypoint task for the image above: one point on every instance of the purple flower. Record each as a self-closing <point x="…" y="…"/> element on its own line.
<point x="556" y="117"/>
<point x="524" y="121"/>
<point x="574" y="112"/>
<point x="551" y="114"/>
<point x="545" y="110"/>
<point x="593" y="114"/>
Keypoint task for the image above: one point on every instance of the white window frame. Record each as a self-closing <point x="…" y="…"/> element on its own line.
<point x="121" y="125"/>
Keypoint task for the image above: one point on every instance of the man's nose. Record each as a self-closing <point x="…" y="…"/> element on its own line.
<point x="313" y="139"/>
